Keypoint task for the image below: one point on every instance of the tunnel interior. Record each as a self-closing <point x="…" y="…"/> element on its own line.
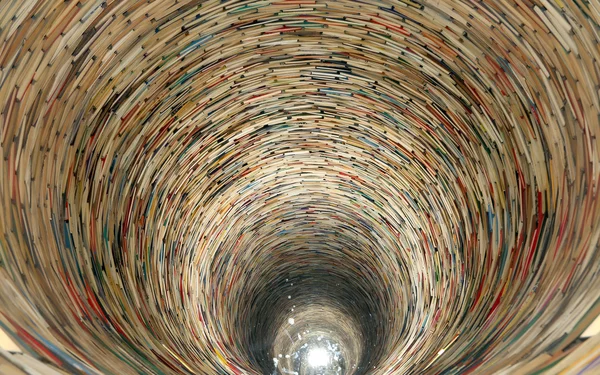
<point x="298" y="187"/>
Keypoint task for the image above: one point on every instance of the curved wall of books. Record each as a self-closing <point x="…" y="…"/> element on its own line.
<point x="299" y="186"/>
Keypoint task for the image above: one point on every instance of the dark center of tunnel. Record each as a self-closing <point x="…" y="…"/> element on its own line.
<point x="315" y="299"/>
<point x="313" y="307"/>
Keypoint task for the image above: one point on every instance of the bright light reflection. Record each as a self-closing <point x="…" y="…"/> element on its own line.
<point x="318" y="357"/>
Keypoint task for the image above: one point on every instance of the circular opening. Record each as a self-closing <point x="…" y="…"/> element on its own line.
<point x="318" y="357"/>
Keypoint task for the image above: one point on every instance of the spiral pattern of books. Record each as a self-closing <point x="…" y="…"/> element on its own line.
<point x="301" y="186"/>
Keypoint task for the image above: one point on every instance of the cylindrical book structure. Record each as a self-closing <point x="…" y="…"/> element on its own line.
<point x="300" y="186"/>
